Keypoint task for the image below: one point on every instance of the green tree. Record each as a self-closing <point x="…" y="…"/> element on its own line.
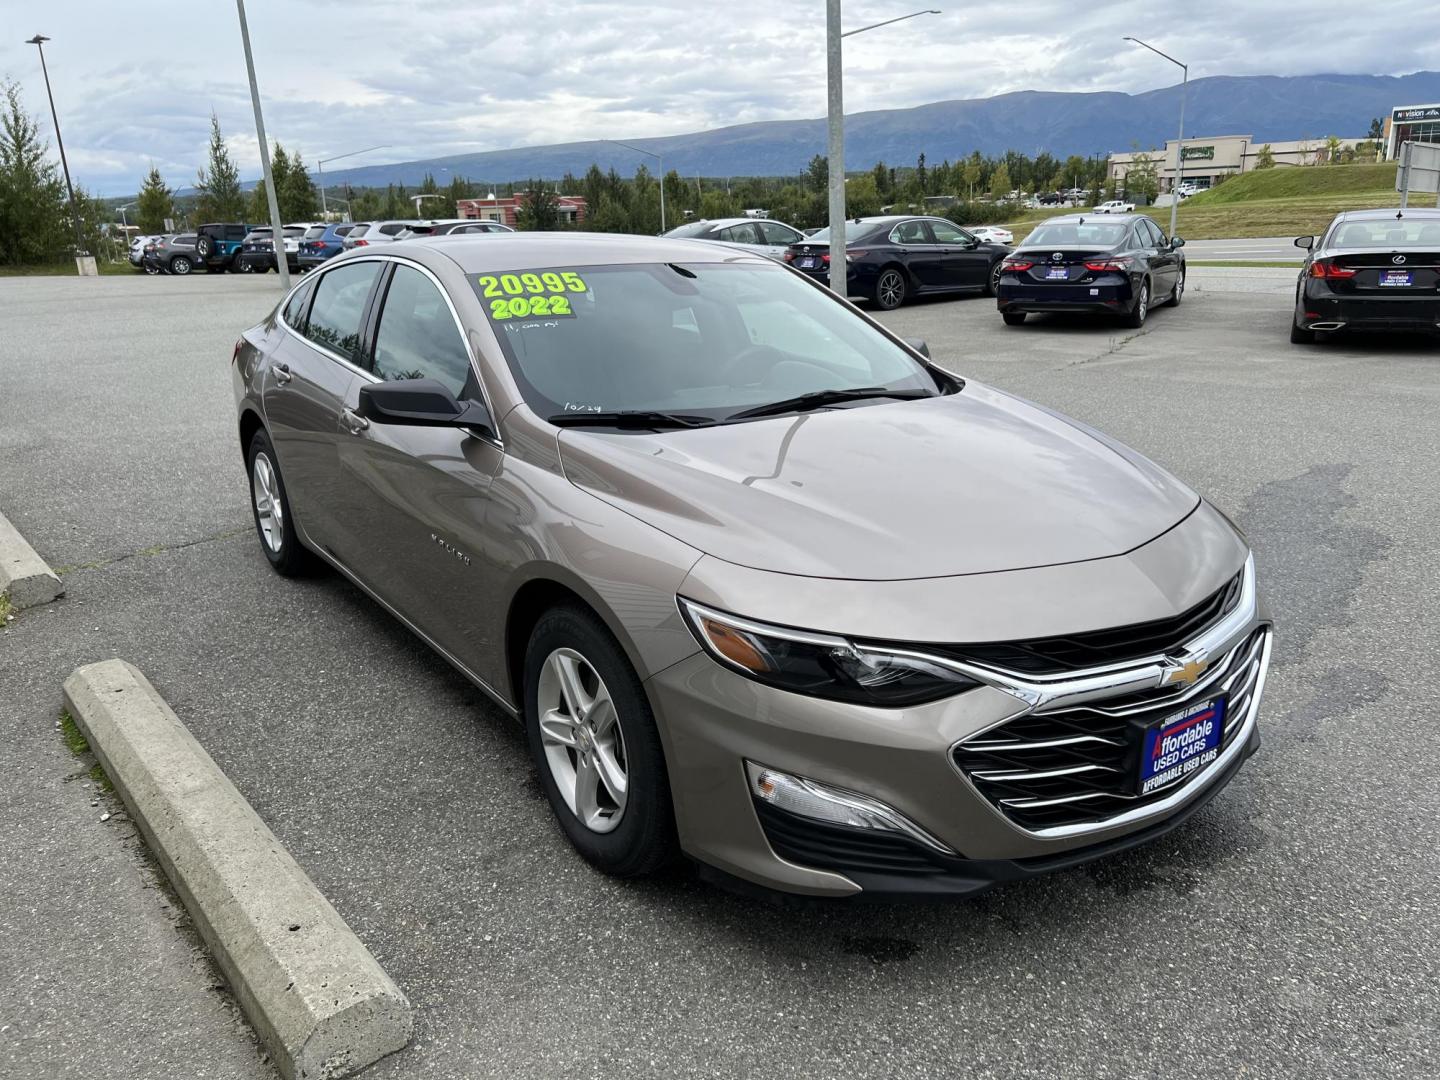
<point x="33" y="216"/>
<point x="539" y="209"/>
<point x="817" y="173"/>
<point x="155" y="203"/>
<point x="608" y="215"/>
<point x="862" y="199"/>
<point x="1377" y="129"/>
<point x="299" y="200"/>
<point x="881" y="176"/>
<point x="1000" y="185"/>
<point x="1142" y="181"/>
<point x="1332" y="150"/>
<point x="1265" y="159"/>
<point x="218" y="185"/>
<point x="972" y="174"/>
<point x="280" y="172"/>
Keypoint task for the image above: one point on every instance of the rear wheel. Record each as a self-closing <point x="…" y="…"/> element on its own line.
<point x="993" y="282"/>
<point x="1299" y="335"/>
<point x="180" y="264"/>
<point x="244" y="266"/>
<point x="274" y="523"/>
<point x="595" y="744"/>
<point x="890" y="289"/>
<point x="1136" y="318"/>
<point x="1013" y="318"/>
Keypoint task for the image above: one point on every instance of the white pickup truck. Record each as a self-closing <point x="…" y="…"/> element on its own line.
<point x="1115" y="206"/>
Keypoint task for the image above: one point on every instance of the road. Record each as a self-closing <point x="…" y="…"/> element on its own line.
<point x="1255" y="249"/>
<point x="1288" y="930"/>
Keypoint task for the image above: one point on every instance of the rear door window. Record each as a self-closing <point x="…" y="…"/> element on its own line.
<point x="777" y="234"/>
<point x="339" y="306"/>
<point x="910" y="232"/>
<point x="394" y="228"/>
<point x="417" y="337"/>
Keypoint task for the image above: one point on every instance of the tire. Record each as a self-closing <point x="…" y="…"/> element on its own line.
<point x="992" y="283"/>
<point x="633" y="836"/>
<point x="204" y="247"/>
<point x="890" y="289"/>
<point x="278" y="539"/>
<point x="1136" y="319"/>
<point x="1299" y="335"/>
<point x="180" y="265"/>
<point x="1177" y="294"/>
<point x="1013" y="318"/>
<point x="244" y="266"/>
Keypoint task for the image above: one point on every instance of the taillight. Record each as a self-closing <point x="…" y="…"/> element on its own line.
<point x="1017" y="264"/>
<point x="851" y="256"/>
<point x="362" y="243"/>
<point x="825" y="258"/>
<point x="1108" y="264"/>
<point x="789" y="256"/>
<point x="234" y="356"/>
<point x="1326" y="269"/>
<point x="318" y="245"/>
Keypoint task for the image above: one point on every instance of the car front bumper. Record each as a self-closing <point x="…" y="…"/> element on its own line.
<point x="912" y="760"/>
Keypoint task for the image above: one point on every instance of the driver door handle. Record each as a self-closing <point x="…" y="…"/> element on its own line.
<point x="282" y="373"/>
<point x="354" y="421"/>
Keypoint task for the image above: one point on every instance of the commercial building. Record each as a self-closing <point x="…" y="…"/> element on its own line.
<point x="506" y="210"/>
<point x="1411" y="123"/>
<point x="1210" y="158"/>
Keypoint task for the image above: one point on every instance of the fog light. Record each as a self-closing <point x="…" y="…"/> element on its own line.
<point x="833" y="806"/>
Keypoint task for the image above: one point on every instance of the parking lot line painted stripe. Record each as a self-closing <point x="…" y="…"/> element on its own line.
<point x="23" y="574"/>
<point x="318" y="999"/>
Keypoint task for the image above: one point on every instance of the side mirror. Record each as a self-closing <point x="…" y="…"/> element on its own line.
<point x="1177" y="241"/>
<point x="918" y="344"/>
<point x="1306" y="242"/>
<point x="420" y="403"/>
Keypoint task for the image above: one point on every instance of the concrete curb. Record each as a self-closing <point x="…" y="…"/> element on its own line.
<point x="23" y="574"/>
<point x="319" y="1001"/>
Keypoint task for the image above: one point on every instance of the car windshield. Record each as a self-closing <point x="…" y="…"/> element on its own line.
<point x="1388" y="233"/>
<point x="702" y="339"/>
<point x="1089" y="234"/>
<point x="691" y="228"/>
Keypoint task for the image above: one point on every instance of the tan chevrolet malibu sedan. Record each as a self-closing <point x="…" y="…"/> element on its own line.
<point x="764" y="586"/>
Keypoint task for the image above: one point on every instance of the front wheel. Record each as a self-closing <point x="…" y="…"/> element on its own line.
<point x="1136" y="319"/>
<point x="274" y="523"/>
<point x="594" y="741"/>
<point x="890" y="289"/>
<point x="1178" y="293"/>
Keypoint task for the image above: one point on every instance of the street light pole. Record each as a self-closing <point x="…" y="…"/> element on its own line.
<point x="277" y="227"/>
<point x="39" y="42"/>
<point x="835" y="132"/>
<point x="660" y="165"/>
<point x="1180" y="144"/>
<point x="320" y="168"/>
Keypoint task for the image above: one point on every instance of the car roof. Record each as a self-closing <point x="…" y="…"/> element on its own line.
<point x="500" y="252"/>
<point x="1075" y="219"/>
<point x="1388" y="215"/>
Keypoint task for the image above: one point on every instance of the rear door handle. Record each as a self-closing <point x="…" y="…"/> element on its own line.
<point x="282" y="374"/>
<point x="354" y="421"/>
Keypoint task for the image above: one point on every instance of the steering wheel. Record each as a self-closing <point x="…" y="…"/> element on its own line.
<point x="750" y="365"/>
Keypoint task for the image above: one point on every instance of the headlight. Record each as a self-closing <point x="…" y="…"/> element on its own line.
<point x="822" y="665"/>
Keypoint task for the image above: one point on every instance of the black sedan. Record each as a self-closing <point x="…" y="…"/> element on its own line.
<point x="891" y="259"/>
<point x="1372" y="270"/>
<point x="1111" y="265"/>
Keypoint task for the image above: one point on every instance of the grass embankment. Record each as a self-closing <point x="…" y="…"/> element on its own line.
<point x="1283" y="201"/>
<point x="66" y="269"/>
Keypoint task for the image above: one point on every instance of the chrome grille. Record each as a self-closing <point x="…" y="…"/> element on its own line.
<point x="1077" y="764"/>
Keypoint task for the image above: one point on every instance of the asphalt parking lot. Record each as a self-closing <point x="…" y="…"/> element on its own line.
<point x="1288" y="929"/>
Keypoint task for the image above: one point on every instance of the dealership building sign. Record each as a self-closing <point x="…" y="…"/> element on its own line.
<point x="1197" y="153"/>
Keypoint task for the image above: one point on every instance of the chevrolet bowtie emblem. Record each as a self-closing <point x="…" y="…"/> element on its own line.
<point x="1186" y="674"/>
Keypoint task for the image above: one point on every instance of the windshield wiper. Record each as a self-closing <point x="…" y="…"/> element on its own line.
<point x="636" y="418"/>
<point x="819" y="398"/>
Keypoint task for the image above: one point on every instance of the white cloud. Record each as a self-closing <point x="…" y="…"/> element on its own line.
<point x="136" y="82"/>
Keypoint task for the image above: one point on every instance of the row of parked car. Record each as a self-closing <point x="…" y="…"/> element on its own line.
<point x="219" y="247"/>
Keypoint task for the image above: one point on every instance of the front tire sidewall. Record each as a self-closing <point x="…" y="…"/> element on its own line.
<point x="292" y="560"/>
<point x="644" y="840"/>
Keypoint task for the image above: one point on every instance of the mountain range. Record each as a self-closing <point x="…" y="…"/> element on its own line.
<point x="1271" y="108"/>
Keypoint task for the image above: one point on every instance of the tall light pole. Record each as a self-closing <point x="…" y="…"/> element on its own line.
<point x="320" y="168"/>
<point x="39" y="42"/>
<point x="1180" y="145"/>
<point x="277" y="227"/>
<point x="835" y="134"/>
<point x="660" y="166"/>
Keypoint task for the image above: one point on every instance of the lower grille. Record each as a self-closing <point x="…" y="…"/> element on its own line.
<point x="1077" y="765"/>
<point x="842" y="848"/>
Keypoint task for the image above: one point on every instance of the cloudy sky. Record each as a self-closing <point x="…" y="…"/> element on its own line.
<point x="135" y="81"/>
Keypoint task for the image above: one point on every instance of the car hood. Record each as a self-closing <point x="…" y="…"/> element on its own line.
<point x="969" y="483"/>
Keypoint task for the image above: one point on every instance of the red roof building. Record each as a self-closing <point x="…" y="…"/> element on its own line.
<point x="507" y="210"/>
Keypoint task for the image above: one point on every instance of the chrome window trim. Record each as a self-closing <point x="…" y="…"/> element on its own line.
<point x="497" y="441"/>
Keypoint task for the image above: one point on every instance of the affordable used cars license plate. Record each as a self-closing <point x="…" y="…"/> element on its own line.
<point x="1057" y="273"/>
<point x="1396" y="277"/>
<point x="805" y="264"/>
<point x="1181" y="744"/>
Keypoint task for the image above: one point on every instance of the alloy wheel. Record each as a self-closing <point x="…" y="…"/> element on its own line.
<point x="1143" y="307"/>
<point x="269" y="511"/>
<point x="890" y="290"/>
<point x="180" y="265"/>
<point x="583" y="743"/>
